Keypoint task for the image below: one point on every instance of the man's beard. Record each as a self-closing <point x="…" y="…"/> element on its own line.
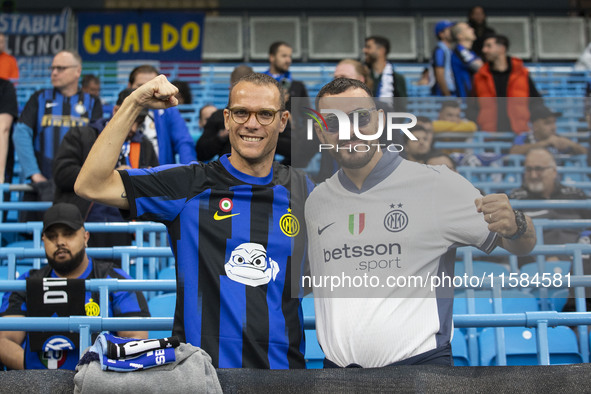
<point x="353" y="160"/>
<point x="66" y="267"/>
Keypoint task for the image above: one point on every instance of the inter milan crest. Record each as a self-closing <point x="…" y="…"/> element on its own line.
<point x="92" y="308"/>
<point x="79" y="108"/>
<point x="289" y="224"/>
<point x="396" y="220"/>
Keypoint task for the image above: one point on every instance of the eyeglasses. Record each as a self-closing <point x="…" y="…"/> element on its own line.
<point x="363" y="119"/>
<point x="537" y="168"/>
<point x="60" y="69"/>
<point x="264" y="116"/>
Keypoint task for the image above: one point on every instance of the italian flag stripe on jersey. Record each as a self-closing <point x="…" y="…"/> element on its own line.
<point x="356" y="223"/>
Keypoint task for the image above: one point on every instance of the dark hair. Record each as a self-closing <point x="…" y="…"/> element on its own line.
<point x="275" y="47"/>
<point x="380" y="41"/>
<point x="143" y="69"/>
<point x="340" y="85"/>
<point x="260" y="80"/>
<point x="499" y="39"/>
<point x="449" y="104"/>
<point x="90" y="78"/>
<point x="424" y="119"/>
<point x="184" y="90"/>
<point x="435" y="154"/>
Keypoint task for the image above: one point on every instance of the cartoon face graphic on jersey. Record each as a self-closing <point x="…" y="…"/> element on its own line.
<point x="249" y="265"/>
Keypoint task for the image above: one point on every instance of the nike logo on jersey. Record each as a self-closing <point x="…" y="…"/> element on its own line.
<point x="321" y="230"/>
<point x="217" y="216"/>
<point x="50" y="105"/>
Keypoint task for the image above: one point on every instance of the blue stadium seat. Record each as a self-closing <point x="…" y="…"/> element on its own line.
<point x="521" y="346"/>
<point x="162" y="306"/>
<point x="557" y="297"/>
<point x="459" y="349"/>
<point x="314" y="354"/>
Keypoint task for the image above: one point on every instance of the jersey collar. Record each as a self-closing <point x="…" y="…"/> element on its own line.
<point x="254" y="180"/>
<point x="385" y="166"/>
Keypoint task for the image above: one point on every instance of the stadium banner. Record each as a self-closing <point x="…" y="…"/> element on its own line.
<point x="114" y="36"/>
<point x="34" y="37"/>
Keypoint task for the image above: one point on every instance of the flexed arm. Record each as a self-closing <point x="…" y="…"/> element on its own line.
<point x="97" y="180"/>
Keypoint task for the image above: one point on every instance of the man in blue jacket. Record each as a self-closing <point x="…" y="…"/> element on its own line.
<point x="165" y="128"/>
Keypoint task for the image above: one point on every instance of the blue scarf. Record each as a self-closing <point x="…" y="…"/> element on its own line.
<point x="280" y="77"/>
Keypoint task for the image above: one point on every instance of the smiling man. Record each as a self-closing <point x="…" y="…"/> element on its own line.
<point x="235" y="225"/>
<point x="381" y="218"/>
<point x="65" y="240"/>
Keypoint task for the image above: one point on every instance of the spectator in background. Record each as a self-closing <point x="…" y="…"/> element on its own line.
<point x="507" y="79"/>
<point x="450" y="119"/>
<point x="165" y="128"/>
<point x="137" y="152"/>
<point x="44" y="121"/>
<point x="8" y="114"/>
<point x="386" y="82"/>
<point x="215" y="139"/>
<point x="91" y="84"/>
<point x="184" y="95"/>
<point x="354" y="69"/>
<point x="543" y="135"/>
<point x="280" y="59"/>
<point x="477" y="21"/>
<point x="441" y="61"/>
<point x="8" y="63"/>
<point x="464" y="62"/>
<point x="65" y="241"/>
<point x="440" y="158"/>
<point x="205" y="113"/>
<point x="419" y="150"/>
<point x="425" y="122"/>
<point x="542" y="182"/>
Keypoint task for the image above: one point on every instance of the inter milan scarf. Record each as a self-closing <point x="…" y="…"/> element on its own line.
<point x="54" y="297"/>
<point x="386" y="86"/>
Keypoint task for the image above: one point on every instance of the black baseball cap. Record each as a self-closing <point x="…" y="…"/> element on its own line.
<point x="123" y="95"/>
<point x="63" y="213"/>
<point x="543" y="112"/>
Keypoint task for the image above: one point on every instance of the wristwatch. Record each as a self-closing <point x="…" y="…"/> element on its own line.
<point x="521" y="225"/>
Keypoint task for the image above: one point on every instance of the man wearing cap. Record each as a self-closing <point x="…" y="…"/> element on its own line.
<point x="543" y="135"/>
<point x="137" y="152"/>
<point x="65" y="240"/>
<point x="441" y="61"/>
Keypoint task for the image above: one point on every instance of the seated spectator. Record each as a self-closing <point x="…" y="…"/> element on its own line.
<point x="137" y="152"/>
<point x="354" y="69"/>
<point x="543" y="135"/>
<point x="184" y="95"/>
<point x="425" y="122"/>
<point x="439" y="158"/>
<point x="541" y="182"/>
<point x="215" y="139"/>
<point x="419" y="150"/>
<point x="450" y="119"/>
<point x="91" y="84"/>
<point x="205" y="113"/>
<point x="8" y="63"/>
<point x="65" y="240"/>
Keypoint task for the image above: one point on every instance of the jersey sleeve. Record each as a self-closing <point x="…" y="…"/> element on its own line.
<point x="14" y="303"/>
<point x="127" y="303"/>
<point x="160" y="193"/>
<point x="438" y="58"/>
<point x="458" y="218"/>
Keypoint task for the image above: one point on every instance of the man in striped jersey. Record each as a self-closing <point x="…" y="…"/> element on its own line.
<point x="46" y="118"/>
<point x="235" y="225"/>
<point x="395" y="227"/>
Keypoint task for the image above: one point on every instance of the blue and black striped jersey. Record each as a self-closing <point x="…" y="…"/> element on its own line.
<point x="239" y="243"/>
<point x="50" y="115"/>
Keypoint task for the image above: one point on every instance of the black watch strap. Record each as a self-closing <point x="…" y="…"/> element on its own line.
<point x="521" y="225"/>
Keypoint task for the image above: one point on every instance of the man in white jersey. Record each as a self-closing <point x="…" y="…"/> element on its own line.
<point x="380" y="221"/>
